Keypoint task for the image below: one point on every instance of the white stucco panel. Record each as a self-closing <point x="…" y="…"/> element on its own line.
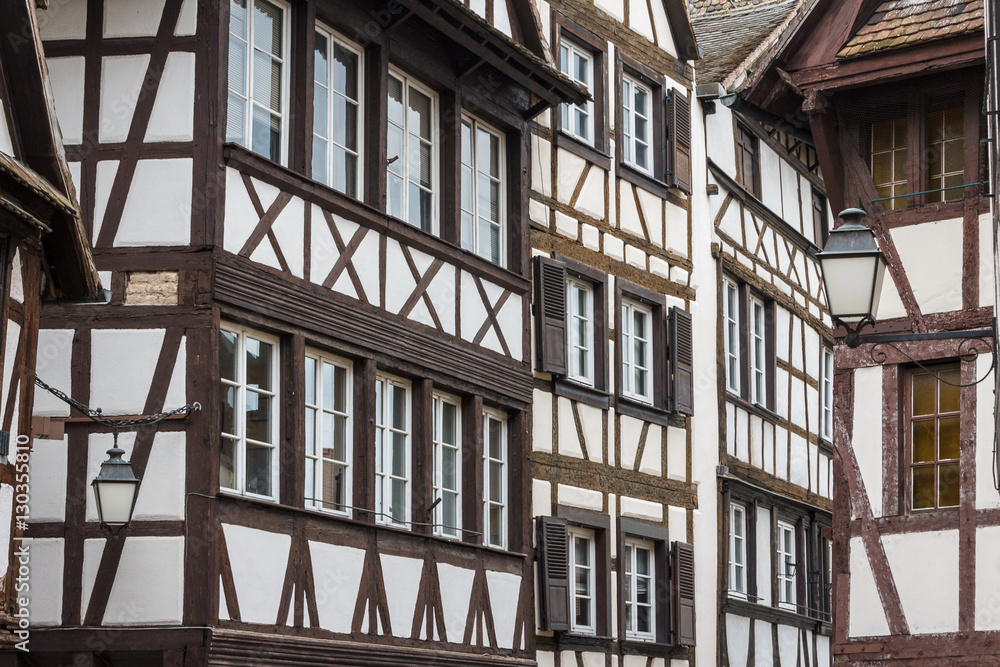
<point x="45" y="580"/>
<point x="592" y="423"/>
<point x="47" y="501"/>
<point x="155" y="215"/>
<point x="162" y="499"/>
<point x="569" y="170"/>
<point x="66" y="78"/>
<point x="289" y="229"/>
<point x="6" y="511"/>
<point x="441" y="292"/>
<point x="63" y="20"/>
<point x="931" y="254"/>
<point x="541" y="421"/>
<point x="738" y="639"/>
<point x="187" y="22"/>
<point x="641" y="509"/>
<point x="121" y="388"/>
<point x="763" y="645"/>
<point x="456" y="592"/>
<point x="6" y="143"/>
<point x="121" y="83"/>
<point x="172" y="118"/>
<point x="986" y="495"/>
<point x="541" y="165"/>
<point x="132" y="18"/>
<point x="867" y="441"/>
<point x="763" y="546"/>
<point x="92" y="552"/>
<point x="505" y="590"/>
<point x="628" y="216"/>
<point x="575" y="496"/>
<point x="137" y="598"/>
<point x="337" y="575"/>
<point x="931" y="577"/>
<point x="591" y="199"/>
<point x="987" y="578"/>
<point x="615" y="8"/>
<point x="788" y="644"/>
<point x="511" y="324"/>
<point x="52" y="365"/>
<point x="402" y="583"/>
<point x="259" y="559"/>
<point x="867" y="616"/>
<point x="652" y="452"/>
<point x="241" y="217"/>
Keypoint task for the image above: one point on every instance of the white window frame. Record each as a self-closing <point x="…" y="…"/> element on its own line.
<point x="408" y="82"/>
<point x="757" y="338"/>
<point x="629" y="365"/>
<point x="488" y="503"/>
<point x="731" y="333"/>
<point x="247" y="97"/>
<point x="472" y="244"/>
<point x="316" y="501"/>
<point x="629" y="87"/>
<point x="591" y="600"/>
<point x="738" y="550"/>
<point x="575" y="321"/>
<point x="240" y="439"/>
<point x="631" y="590"/>
<point x="438" y="446"/>
<point x="335" y="39"/>
<point x="787" y="592"/>
<point x="826" y="386"/>
<point x="383" y="446"/>
<point x="568" y="51"/>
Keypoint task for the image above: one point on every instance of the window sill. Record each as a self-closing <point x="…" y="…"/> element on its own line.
<point x="646" y="647"/>
<point x="581" y="392"/>
<point x="825" y="446"/>
<point x="586" y="151"/>
<point x="639" y="178"/>
<point x="632" y="408"/>
<point x="759" y="410"/>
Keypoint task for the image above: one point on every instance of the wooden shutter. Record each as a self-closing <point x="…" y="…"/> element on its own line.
<point x="553" y="573"/>
<point x="550" y="315"/>
<point x="681" y="362"/>
<point x="679" y="119"/>
<point x="682" y="575"/>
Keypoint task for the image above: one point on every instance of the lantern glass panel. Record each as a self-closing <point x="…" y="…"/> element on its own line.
<point x="114" y="501"/>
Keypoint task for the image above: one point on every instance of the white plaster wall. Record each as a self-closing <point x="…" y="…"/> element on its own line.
<point x="763" y="645"/>
<point x="763" y="546"/>
<point x="788" y="644"/>
<point x="121" y="83"/>
<point x="402" y="583"/>
<point x="93" y="550"/>
<point x="66" y="79"/>
<point x="575" y="496"/>
<point x="138" y="598"/>
<point x="456" y="593"/>
<point x="161" y="493"/>
<point x="867" y="441"/>
<point x="45" y="578"/>
<point x="47" y="501"/>
<point x="337" y="575"/>
<point x="738" y="639"/>
<point x="987" y="578"/>
<point x="6" y="513"/>
<point x="259" y="559"/>
<point x="931" y="577"/>
<point x="172" y="118"/>
<point x="866" y="614"/>
<point x="986" y="494"/>
<point x="52" y="365"/>
<point x="155" y="215"/>
<point x="505" y="590"/>
<point x="931" y="254"/>
<point x="121" y="388"/>
<point x="63" y="20"/>
<point x="132" y="18"/>
<point x="6" y="144"/>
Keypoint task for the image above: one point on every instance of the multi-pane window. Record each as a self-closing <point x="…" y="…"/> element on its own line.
<point x="639" y="605"/>
<point x="447" y="447"/>
<point x="580" y="318"/>
<point x="256" y="110"/>
<point x="482" y="190"/>
<point x="411" y="154"/>
<point x="336" y="149"/>
<point x="945" y="154"/>
<point x="582" y="587"/>
<point x="737" y="549"/>
<point x="785" y="565"/>
<point x="747" y="160"/>
<point x="826" y="395"/>
<point x="731" y="334"/>
<point x="249" y="372"/>
<point x="935" y="438"/>
<point x="758" y="352"/>
<point x="495" y="482"/>
<point x="328" y="433"/>
<point x="636" y="351"/>
<point x="578" y="119"/>
<point x="889" y="161"/>
<point x="636" y="119"/>
<point x="392" y="451"/>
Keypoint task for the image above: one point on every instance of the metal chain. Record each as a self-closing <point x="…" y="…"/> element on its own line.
<point x="116" y="424"/>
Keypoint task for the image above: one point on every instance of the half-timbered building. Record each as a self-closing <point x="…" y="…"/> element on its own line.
<point x="893" y="95"/>
<point x="313" y="219"/>
<point x="44" y="254"/>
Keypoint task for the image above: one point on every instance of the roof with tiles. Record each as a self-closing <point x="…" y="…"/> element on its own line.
<point x="729" y="31"/>
<point x="897" y="24"/>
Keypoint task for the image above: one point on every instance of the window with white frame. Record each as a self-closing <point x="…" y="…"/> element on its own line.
<point x="337" y="117"/>
<point x="411" y="153"/>
<point x="737" y="549"/>
<point x="482" y="190"/>
<point x="578" y="119"/>
<point x="636" y="351"/>
<point x="758" y="352"/>
<point x="580" y="316"/>
<point x="640" y="609"/>
<point x="785" y="564"/>
<point x="249" y="371"/>
<point x="826" y="388"/>
<point x="392" y="451"/>
<point x="495" y="479"/>
<point x="447" y="445"/>
<point x="731" y="333"/>
<point x="328" y="433"/>
<point x="258" y="98"/>
<point x="582" y="587"/>
<point x="636" y="122"/>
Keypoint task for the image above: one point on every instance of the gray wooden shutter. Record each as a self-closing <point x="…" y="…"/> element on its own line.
<point x="682" y="574"/>
<point x="679" y="119"/>
<point x="681" y="361"/>
<point x="550" y="315"/>
<point x="553" y="573"/>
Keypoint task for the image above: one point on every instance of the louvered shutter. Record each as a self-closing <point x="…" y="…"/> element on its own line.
<point x="679" y="119"/>
<point x="681" y="362"/>
<point x="682" y="573"/>
<point x="550" y="315"/>
<point x="553" y="573"/>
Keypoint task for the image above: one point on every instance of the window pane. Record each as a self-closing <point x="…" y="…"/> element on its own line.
<point x="948" y="489"/>
<point x="258" y="364"/>
<point x="923" y="487"/>
<point x="950" y="395"/>
<point x="882" y="136"/>
<point x="266" y="81"/>
<point x="340" y="389"/>
<point x="267" y="27"/>
<point x="320" y="66"/>
<point x="258" y="425"/>
<point x="266" y="139"/>
<point x="954" y="123"/>
<point x="923" y="394"/>
<point x="229" y="410"/>
<point x="258" y="469"/>
<point x="319" y="161"/>
<point x="236" y="110"/>
<point x="949" y="438"/>
<point x="398" y="401"/>
<point x="923" y="441"/>
<point x="311" y="445"/>
<point x="228" y="355"/>
<point x="419" y="118"/>
<point x="449" y="423"/>
<point x="238" y="17"/>
<point x="345" y="71"/>
<point x="398" y="508"/>
<point x="227" y="464"/>
<point x="237" y="65"/>
<point x="398" y="455"/>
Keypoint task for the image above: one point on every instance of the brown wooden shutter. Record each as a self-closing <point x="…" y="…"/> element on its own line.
<point x="681" y="361"/>
<point x="682" y="574"/>
<point x="550" y="315"/>
<point x="553" y="573"/>
<point x="679" y="118"/>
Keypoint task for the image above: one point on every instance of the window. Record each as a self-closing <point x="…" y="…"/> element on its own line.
<point x="946" y="154"/>
<point x="935" y="438"/>
<point x="337" y="118"/>
<point x="785" y="565"/>
<point x="582" y="584"/>
<point x="636" y="350"/>
<point x="636" y="122"/>
<point x="737" y="549"/>
<point x="731" y="333"/>
<point x="482" y="191"/>
<point x="758" y="352"/>
<point x="580" y="319"/>
<point x="256" y="110"/>
<point x="889" y="160"/>
<point x="249" y="370"/>
<point x="495" y="482"/>
<point x="826" y="394"/>
<point x="821" y="227"/>
<point x="392" y="451"/>
<point x="328" y="433"/>
<point x="447" y="446"/>
<point x="639" y="585"/>
<point x="578" y="65"/>
<point x="412" y="153"/>
<point x="747" y="160"/>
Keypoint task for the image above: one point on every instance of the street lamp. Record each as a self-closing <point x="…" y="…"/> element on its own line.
<point x="853" y="269"/>
<point x="115" y="489"/>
